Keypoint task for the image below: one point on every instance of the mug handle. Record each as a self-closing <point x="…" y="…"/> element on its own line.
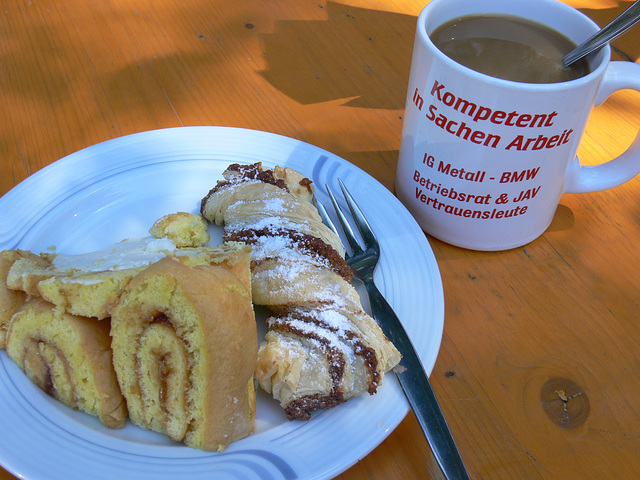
<point x="592" y="178"/>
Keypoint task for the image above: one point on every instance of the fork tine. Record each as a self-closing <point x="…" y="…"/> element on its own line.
<point x="365" y="229"/>
<point x="351" y="238"/>
<point x="325" y="216"/>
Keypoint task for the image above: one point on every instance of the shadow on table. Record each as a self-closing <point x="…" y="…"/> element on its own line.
<point x="311" y="61"/>
<point x="308" y="61"/>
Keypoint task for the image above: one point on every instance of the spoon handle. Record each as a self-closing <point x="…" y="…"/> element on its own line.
<point x="617" y="27"/>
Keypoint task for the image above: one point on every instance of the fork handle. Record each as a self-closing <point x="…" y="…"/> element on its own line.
<point x="415" y="384"/>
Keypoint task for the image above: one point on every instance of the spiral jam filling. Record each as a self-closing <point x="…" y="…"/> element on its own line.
<point x="163" y="377"/>
<point x="184" y="343"/>
<point x="50" y="370"/>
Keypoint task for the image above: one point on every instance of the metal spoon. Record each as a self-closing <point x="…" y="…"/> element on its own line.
<point x="620" y="25"/>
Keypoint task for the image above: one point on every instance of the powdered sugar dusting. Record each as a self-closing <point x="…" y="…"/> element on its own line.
<point x="275" y="205"/>
<point x="340" y="352"/>
<point x="336" y="321"/>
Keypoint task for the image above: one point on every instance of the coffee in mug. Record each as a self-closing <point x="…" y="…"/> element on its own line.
<point x="484" y="160"/>
<point x="508" y="47"/>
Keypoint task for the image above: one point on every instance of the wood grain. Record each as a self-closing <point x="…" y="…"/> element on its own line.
<point x="538" y="368"/>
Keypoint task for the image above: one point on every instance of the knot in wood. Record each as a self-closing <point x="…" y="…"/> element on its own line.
<point x="565" y="402"/>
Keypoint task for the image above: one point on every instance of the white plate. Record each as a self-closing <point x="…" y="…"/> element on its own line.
<point x="117" y="189"/>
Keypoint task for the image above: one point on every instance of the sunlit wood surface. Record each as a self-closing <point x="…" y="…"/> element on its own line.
<point x="538" y="373"/>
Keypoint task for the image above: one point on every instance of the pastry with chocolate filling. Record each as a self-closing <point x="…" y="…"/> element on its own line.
<point x="184" y="347"/>
<point x="321" y="348"/>
<point x="69" y="357"/>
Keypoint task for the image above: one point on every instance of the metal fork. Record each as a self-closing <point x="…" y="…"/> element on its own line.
<point x="413" y="378"/>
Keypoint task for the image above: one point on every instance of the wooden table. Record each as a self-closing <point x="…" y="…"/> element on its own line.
<point x="538" y="372"/>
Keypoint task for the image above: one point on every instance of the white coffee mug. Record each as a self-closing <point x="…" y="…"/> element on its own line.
<point x="484" y="161"/>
